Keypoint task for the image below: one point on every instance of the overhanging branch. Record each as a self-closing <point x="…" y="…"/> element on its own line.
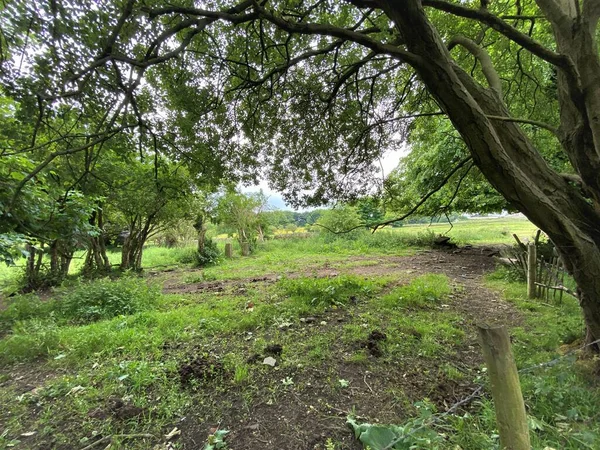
<point x="341" y="33"/>
<point x="439" y="186"/>
<point x="536" y="123"/>
<point x="502" y="27"/>
<point x="484" y="59"/>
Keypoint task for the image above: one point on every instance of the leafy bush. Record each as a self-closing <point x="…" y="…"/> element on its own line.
<point x="422" y="291"/>
<point x="327" y="291"/>
<point x="104" y="298"/>
<point x="209" y="255"/>
<point x="335" y="223"/>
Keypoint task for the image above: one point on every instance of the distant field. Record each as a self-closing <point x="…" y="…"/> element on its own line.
<point x="477" y="231"/>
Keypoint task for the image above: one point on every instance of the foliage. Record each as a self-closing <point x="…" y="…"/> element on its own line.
<point x="216" y="440"/>
<point x="341" y="222"/>
<point x="436" y="148"/>
<point x="90" y="301"/>
<point x="406" y="437"/>
<point x="243" y="214"/>
<point x="282" y="219"/>
<point x="11" y="247"/>
<point x="209" y="255"/>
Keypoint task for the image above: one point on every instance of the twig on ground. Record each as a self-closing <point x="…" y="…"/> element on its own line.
<point x="109" y="438"/>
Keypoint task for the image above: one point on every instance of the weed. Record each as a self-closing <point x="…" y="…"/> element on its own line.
<point x="241" y="373"/>
<point x="104" y="298"/>
<point x="451" y="372"/>
<point x="336" y="291"/>
<point x="422" y="291"/>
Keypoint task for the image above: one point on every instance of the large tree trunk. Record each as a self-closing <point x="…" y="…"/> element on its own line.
<point x="508" y="159"/>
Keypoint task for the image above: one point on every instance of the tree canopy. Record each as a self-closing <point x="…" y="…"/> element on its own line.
<point x="314" y="92"/>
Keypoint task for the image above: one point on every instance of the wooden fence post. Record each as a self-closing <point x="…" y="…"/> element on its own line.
<point x="506" y="389"/>
<point x="531" y="270"/>
<point x="245" y="249"/>
<point x="228" y="250"/>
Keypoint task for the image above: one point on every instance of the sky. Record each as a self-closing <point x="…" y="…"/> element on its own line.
<point x="389" y="161"/>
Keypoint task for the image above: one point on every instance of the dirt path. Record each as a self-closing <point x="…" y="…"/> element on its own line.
<point x="465" y="267"/>
<point x="304" y="417"/>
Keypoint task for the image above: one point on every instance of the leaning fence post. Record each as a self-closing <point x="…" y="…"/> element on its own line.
<point x="531" y="270"/>
<point x="228" y="250"/>
<point x="506" y="389"/>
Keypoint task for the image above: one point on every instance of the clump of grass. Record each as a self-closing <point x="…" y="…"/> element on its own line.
<point x="83" y="302"/>
<point x="423" y="291"/>
<point x="91" y="301"/>
<point x="24" y="307"/>
<point x="328" y="291"/>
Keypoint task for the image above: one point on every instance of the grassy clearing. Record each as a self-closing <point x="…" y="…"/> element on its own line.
<point x="476" y="231"/>
<point x="119" y="357"/>
<point x="294" y="254"/>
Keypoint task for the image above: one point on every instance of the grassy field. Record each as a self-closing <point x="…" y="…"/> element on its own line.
<point x="374" y="330"/>
<point x="476" y="231"/>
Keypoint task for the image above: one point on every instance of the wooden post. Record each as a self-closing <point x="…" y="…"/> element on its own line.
<point x="245" y="249"/>
<point x="228" y="250"/>
<point x="506" y="389"/>
<point x="531" y="270"/>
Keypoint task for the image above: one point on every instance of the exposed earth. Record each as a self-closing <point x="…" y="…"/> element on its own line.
<point x="304" y="417"/>
<point x="301" y="407"/>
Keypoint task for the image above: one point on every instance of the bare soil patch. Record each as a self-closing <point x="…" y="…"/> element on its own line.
<point x="315" y="408"/>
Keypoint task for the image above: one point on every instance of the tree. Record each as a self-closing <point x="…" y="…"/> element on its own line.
<point x="146" y="199"/>
<point x="243" y="214"/>
<point x="344" y="79"/>
<point x="339" y="219"/>
<point x="435" y="147"/>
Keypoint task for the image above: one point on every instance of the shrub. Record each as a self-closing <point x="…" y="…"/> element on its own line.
<point x="104" y="298"/>
<point x="210" y="254"/>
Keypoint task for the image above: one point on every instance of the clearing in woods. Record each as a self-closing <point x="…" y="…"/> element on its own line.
<point x="368" y="336"/>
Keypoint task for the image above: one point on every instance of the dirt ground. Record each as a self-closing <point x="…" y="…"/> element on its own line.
<point x="304" y="418"/>
<point x="265" y="415"/>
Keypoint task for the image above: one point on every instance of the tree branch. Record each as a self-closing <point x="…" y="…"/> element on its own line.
<point x="536" y="123"/>
<point x="342" y="33"/>
<point x="484" y="16"/>
<point x="484" y="59"/>
<point x="426" y="197"/>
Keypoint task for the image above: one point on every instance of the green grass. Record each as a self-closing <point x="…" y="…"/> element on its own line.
<point x="425" y="290"/>
<point x="476" y="231"/>
<point x="290" y="255"/>
<point x="561" y="399"/>
<point x="135" y="349"/>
